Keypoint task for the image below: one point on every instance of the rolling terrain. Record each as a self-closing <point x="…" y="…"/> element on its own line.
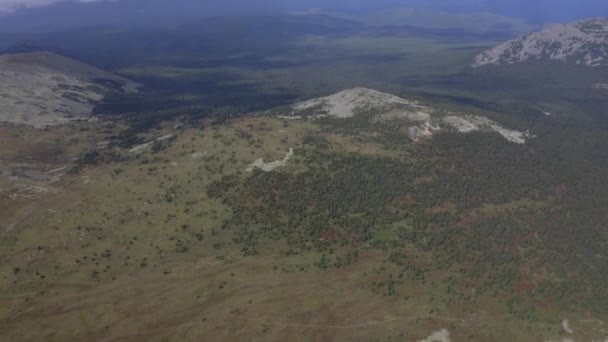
<point x="425" y="121"/>
<point x="346" y="181"/>
<point x="192" y="236"/>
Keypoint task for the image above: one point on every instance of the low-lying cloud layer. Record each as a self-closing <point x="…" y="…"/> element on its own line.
<point x="8" y="5"/>
<point x="11" y="5"/>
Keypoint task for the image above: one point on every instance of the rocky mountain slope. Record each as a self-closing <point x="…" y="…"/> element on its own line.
<point x="583" y="43"/>
<point x="44" y="89"/>
<point x="425" y="121"/>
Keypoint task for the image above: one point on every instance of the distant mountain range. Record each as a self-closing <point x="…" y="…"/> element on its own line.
<point x="583" y="43"/>
<point x="159" y="13"/>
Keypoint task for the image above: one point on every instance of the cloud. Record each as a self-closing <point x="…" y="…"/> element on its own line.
<point x="12" y="5"/>
<point x="9" y="5"/>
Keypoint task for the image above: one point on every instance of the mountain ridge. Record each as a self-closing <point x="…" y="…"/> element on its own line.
<point x="42" y="89"/>
<point x="425" y="120"/>
<point x="582" y="42"/>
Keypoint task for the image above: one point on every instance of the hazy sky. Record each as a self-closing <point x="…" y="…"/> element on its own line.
<point x="115" y="12"/>
<point x="7" y="4"/>
<point x="515" y="7"/>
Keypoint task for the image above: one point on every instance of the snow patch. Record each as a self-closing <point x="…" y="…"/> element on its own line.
<point x="442" y="335"/>
<point x="198" y="155"/>
<point x="142" y="147"/>
<point x="267" y="167"/>
<point x="566" y="326"/>
<point x="59" y="169"/>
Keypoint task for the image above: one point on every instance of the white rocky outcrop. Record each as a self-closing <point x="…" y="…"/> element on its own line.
<point x="44" y="89"/>
<point x="347" y="102"/>
<point x="583" y="42"/>
<point x="425" y="120"/>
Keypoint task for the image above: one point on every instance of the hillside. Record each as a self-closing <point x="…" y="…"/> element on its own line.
<point x="425" y="121"/>
<point x="300" y="177"/>
<point x="582" y="43"/>
<point x="250" y="227"/>
<point x="43" y="89"/>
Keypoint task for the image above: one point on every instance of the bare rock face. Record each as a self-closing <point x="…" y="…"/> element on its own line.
<point x="347" y="102"/>
<point x="43" y="89"/>
<point x="583" y="43"/>
<point x="424" y="121"/>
